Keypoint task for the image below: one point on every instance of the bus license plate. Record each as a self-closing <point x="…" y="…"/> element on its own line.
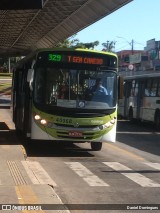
<point x="75" y="134"/>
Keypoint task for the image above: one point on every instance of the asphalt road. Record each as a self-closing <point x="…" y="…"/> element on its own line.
<point x="127" y="172"/>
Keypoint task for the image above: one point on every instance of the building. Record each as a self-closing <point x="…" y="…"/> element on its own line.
<point x="136" y="60"/>
<point x="153" y="49"/>
<point x="132" y="60"/>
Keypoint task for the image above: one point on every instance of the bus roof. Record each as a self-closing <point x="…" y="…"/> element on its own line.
<point x="73" y="49"/>
<point x="130" y="75"/>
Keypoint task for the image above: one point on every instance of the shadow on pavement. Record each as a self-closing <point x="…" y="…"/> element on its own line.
<point x="3" y="126"/>
<point x="7" y="136"/>
<point x="37" y="148"/>
<point x="53" y="149"/>
<point x="41" y="148"/>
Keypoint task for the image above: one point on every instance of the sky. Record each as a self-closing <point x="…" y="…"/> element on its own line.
<point x="138" y="20"/>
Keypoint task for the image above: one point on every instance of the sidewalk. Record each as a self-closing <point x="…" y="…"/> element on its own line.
<point x="18" y="191"/>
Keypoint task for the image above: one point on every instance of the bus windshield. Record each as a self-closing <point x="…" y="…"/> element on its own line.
<point x="77" y="88"/>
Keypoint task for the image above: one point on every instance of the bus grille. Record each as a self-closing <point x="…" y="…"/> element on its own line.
<point x="80" y="126"/>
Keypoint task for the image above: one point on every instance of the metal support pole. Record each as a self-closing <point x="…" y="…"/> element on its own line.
<point x="9" y="65"/>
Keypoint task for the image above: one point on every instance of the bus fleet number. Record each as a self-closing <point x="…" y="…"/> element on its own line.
<point x="64" y="120"/>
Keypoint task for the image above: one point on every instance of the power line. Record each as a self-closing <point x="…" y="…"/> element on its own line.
<point x="131" y="43"/>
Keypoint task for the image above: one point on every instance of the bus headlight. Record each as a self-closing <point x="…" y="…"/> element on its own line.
<point x="43" y="121"/>
<point x="37" y="117"/>
<point x="108" y="124"/>
<point x="40" y="120"/>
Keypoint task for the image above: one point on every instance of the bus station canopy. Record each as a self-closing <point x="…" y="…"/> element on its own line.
<point x="22" y="31"/>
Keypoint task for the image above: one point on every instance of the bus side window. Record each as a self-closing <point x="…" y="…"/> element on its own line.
<point x="132" y="94"/>
<point x="148" y="88"/>
<point x="154" y="87"/>
<point x="151" y="88"/>
<point x="158" y="88"/>
<point x="136" y="88"/>
<point x="146" y="92"/>
<point x="128" y="89"/>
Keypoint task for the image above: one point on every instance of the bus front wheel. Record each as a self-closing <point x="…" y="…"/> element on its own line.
<point x="96" y="146"/>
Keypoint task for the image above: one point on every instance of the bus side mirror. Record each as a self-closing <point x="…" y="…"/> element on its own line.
<point x="30" y="78"/>
<point x="120" y="87"/>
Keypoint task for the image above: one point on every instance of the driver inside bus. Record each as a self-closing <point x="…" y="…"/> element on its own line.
<point x="98" y="88"/>
<point x="97" y="92"/>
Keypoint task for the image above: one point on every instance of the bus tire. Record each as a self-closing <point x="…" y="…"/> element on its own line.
<point x="96" y="146"/>
<point x="157" y="120"/>
<point x="19" y="134"/>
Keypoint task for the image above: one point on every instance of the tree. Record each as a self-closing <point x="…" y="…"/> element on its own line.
<point x="109" y="46"/>
<point x="5" y="63"/>
<point x="89" y="45"/>
<point x="72" y="42"/>
<point x="68" y="43"/>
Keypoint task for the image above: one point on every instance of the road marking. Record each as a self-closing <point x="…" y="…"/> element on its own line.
<point x="134" y="176"/>
<point x="154" y="165"/>
<point x="26" y="195"/>
<point x="37" y="174"/>
<point x="124" y="151"/>
<point x="86" y="174"/>
<point x="139" y="133"/>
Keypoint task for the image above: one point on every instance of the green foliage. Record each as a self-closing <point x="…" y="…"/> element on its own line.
<point x="5" y="87"/>
<point x="4" y="63"/>
<point x="68" y="43"/>
<point x="109" y="46"/>
<point x="89" y="45"/>
<point x="5" y="75"/>
<point x="72" y="42"/>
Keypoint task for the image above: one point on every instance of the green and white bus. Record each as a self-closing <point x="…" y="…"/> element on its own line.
<point x="51" y="99"/>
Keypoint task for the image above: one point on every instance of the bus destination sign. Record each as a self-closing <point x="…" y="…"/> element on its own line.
<point x="75" y="59"/>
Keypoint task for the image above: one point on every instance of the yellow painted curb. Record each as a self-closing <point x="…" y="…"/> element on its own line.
<point x="26" y="195"/>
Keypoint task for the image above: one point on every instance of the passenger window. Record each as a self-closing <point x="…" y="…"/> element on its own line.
<point x="154" y="87"/>
<point x="158" y="88"/>
<point x="148" y="88"/>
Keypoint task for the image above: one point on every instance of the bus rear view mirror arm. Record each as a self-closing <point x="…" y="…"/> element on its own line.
<point x="30" y="78"/>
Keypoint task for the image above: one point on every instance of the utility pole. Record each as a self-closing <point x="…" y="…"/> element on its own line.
<point x="132" y="44"/>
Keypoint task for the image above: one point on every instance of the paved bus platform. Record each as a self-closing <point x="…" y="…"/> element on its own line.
<point x="19" y="191"/>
